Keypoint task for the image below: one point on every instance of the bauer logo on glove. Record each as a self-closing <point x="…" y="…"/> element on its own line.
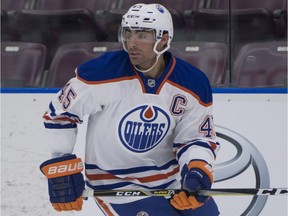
<point x="62" y="168"/>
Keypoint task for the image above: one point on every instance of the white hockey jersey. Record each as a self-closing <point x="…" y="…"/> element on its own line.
<point x="141" y="131"/>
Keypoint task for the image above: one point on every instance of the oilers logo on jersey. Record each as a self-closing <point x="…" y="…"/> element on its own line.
<point x="143" y="128"/>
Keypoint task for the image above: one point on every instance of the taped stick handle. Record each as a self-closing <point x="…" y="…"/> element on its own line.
<point x="171" y="192"/>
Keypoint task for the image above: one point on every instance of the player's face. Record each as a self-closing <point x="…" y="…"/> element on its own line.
<point x="139" y="44"/>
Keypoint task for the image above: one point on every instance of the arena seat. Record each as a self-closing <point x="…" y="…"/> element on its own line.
<point x="22" y="64"/>
<point x="68" y="57"/>
<point x="280" y="20"/>
<point x="209" y="57"/>
<point x="238" y="28"/>
<point x="262" y="64"/>
<point x="265" y="19"/>
<point x="5" y="28"/>
<point x="109" y="23"/>
<point x="181" y="5"/>
<point x="9" y="5"/>
<point x="92" y="5"/>
<point x="99" y="11"/>
<point x="8" y="10"/>
<point x="248" y="4"/>
<point x="56" y="27"/>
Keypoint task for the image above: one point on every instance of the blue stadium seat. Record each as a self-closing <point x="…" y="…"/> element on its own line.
<point x="209" y="57"/>
<point x="68" y="57"/>
<point x="22" y="64"/>
<point x="262" y="64"/>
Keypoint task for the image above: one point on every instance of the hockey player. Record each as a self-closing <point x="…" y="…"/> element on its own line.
<point x="150" y="126"/>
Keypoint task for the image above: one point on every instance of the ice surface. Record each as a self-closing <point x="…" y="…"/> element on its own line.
<point x="24" y="189"/>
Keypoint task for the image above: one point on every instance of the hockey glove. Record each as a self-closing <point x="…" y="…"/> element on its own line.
<point x="65" y="182"/>
<point x="199" y="176"/>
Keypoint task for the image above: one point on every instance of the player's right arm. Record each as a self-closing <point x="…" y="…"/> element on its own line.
<point x="64" y="170"/>
<point x="82" y="95"/>
<point x="65" y="112"/>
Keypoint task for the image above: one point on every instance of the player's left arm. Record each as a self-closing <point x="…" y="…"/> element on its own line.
<point x="196" y="147"/>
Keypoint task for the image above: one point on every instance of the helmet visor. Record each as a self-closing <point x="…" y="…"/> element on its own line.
<point x="143" y="35"/>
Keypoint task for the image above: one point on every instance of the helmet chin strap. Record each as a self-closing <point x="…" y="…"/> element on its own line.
<point x="158" y="54"/>
<point x="149" y="69"/>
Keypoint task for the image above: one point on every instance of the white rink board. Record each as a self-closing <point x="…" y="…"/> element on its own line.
<point x="259" y="118"/>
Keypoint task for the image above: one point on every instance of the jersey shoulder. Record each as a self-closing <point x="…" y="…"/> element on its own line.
<point x="192" y="79"/>
<point x="108" y="66"/>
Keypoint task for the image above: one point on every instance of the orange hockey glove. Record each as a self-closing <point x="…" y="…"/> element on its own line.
<point x="182" y="202"/>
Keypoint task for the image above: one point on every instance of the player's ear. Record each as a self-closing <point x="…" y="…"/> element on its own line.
<point x="163" y="42"/>
<point x="165" y="39"/>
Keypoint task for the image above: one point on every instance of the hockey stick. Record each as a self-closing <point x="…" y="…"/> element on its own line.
<point x="171" y="192"/>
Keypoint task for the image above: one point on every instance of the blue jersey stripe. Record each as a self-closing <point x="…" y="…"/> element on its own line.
<point x="59" y="126"/>
<point x="134" y="169"/>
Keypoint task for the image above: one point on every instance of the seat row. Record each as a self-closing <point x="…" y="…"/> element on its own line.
<point x="54" y="28"/>
<point x="23" y="64"/>
<point x="181" y="5"/>
<point x="267" y="17"/>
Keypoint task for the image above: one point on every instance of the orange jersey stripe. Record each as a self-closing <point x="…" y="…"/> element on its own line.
<point x="140" y="81"/>
<point x="104" y="207"/>
<point x="47" y="117"/>
<point x="105" y="81"/>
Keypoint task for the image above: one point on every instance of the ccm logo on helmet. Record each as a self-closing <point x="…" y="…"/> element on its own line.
<point x="133" y="16"/>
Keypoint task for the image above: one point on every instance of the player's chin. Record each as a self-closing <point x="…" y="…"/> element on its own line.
<point x="134" y="60"/>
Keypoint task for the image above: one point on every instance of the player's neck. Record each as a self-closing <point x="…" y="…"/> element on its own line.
<point x="156" y="71"/>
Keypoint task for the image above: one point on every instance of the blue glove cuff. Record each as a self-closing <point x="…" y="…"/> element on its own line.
<point x="195" y="180"/>
<point x="66" y="189"/>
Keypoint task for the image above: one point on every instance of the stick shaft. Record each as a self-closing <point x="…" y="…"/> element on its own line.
<point x="171" y="192"/>
<point x="244" y="191"/>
